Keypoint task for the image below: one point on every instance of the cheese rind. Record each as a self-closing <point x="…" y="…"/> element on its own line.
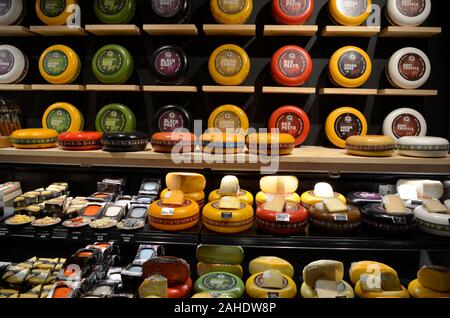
<point x="334" y="205"/>
<point x="173" y="197"/>
<point x="344" y="290"/>
<point x="279" y="184"/>
<point x="264" y="263"/>
<point x="323" y="270"/>
<point x="229" y="186"/>
<point x="155" y="285"/>
<point x="367" y="267"/>
<point x="262" y="197"/>
<point x="244" y="196"/>
<point x="435" y="278"/>
<point x="417" y="290"/>
<point x="204" y="268"/>
<point x="272" y="278"/>
<point x="275" y="203"/>
<point x="220" y="254"/>
<point x="187" y="182"/>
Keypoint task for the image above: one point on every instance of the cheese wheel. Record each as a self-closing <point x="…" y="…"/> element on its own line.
<point x="180" y="291"/>
<point x="203" y="268"/>
<point x="292" y="11"/>
<point x="309" y="198"/>
<point x="220" y="282"/>
<point x="210" y="295"/>
<point x="292" y="220"/>
<point x="79" y="141"/>
<point x="174" y="269"/>
<point x="404" y="122"/>
<point x="173" y="217"/>
<point x="170" y="64"/>
<point x="361" y="198"/>
<point x="59" y="64"/>
<point x="343" y="123"/>
<point x="408" y="68"/>
<point x="370" y="146"/>
<point x="115" y="117"/>
<point x="403" y="293"/>
<point x="169" y="12"/>
<point x="227" y="221"/>
<point x="63" y="117"/>
<point x="187" y="182"/>
<point x="231" y="11"/>
<point x="433" y="223"/>
<point x="291" y="66"/>
<point x="263" y="263"/>
<point x="54" y="12"/>
<point x="423" y="147"/>
<point x="166" y="142"/>
<point x="279" y="184"/>
<point x="270" y="144"/>
<point x="124" y="141"/>
<point x="435" y="278"/>
<point x="408" y="13"/>
<point x="323" y="270"/>
<point x="229" y="65"/>
<point x="12" y="12"/>
<point x="220" y="254"/>
<point x="243" y="195"/>
<point x="114" y="12"/>
<point x="172" y="117"/>
<point x="219" y="142"/>
<point x="198" y="197"/>
<point x="262" y="197"/>
<point x="350" y="67"/>
<point x="376" y="217"/>
<point x="34" y="138"/>
<point x="13" y="65"/>
<point x="344" y="290"/>
<point x="112" y="64"/>
<point x="229" y="119"/>
<point x="417" y="290"/>
<point x="291" y="120"/>
<point x="368" y="267"/>
<point x="350" y="12"/>
<point x="254" y="288"/>
<point x="5" y="142"/>
<point x="334" y="223"/>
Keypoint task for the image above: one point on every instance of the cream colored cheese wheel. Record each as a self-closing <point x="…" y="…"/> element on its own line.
<point x="433" y="223"/>
<point x="13" y="65"/>
<point x="408" y="13"/>
<point x="404" y="122"/>
<point x="423" y="147"/>
<point x="408" y="68"/>
<point x="11" y="11"/>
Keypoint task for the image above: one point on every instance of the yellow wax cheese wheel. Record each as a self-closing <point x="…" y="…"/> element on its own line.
<point x="54" y="12"/>
<point x="173" y="217"/>
<point x="63" y="117"/>
<point x="203" y="268"/>
<point x="231" y="11"/>
<point x="343" y="123"/>
<point x="308" y="198"/>
<point x="350" y="12"/>
<point x="59" y="64"/>
<point x="418" y="291"/>
<point x="264" y="263"/>
<point x="34" y="138"/>
<point x="211" y="295"/>
<point x="5" y="142"/>
<point x="370" y="146"/>
<point x="254" y="289"/>
<point x="229" y="117"/>
<point x="344" y="290"/>
<point x="225" y="220"/>
<point x="368" y="267"/>
<point x="350" y="67"/>
<point x="270" y="143"/>
<point x="435" y="278"/>
<point x="262" y="197"/>
<point x="229" y="65"/>
<point x="187" y="182"/>
<point x="244" y="196"/>
<point x="198" y="197"/>
<point x="403" y="293"/>
<point x="323" y="270"/>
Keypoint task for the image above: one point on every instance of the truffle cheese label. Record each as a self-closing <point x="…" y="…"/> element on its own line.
<point x="229" y="63"/>
<point x="406" y="125"/>
<point x="168" y="62"/>
<point x="53" y="8"/>
<point x="292" y="63"/>
<point x="412" y="67"/>
<point x="411" y="8"/>
<point x="111" y="7"/>
<point x="231" y="6"/>
<point x="290" y="123"/>
<point x="170" y="120"/>
<point x="5" y="6"/>
<point x="348" y="125"/>
<point x="352" y="64"/>
<point x="166" y="8"/>
<point x="6" y="62"/>
<point x="59" y="119"/>
<point x="294" y="7"/>
<point x="109" y="62"/>
<point x="352" y="8"/>
<point x="227" y="120"/>
<point x="55" y="63"/>
<point x="113" y="121"/>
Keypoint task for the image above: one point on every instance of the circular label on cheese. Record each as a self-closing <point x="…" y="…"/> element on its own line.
<point x="348" y="125"/>
<point x="55" y="63"/>
<point x="111" y="7"/>
<point x="168" y="62"/>
<point x="113" y="120"/>
<point x="406" y="125"/>
<point x="219" y="282"/>
<point x="352" y="8"/>
<point x="294" y="7"/>
<point x="352" y="64"/>
<point x="59" y="119"/>
<point x="227" y="120"/>
<point x="231" y="6"/>
<point x="290" y="123"/>
<point x="6" y="62"/>
<point x="259" y="281"/>
<point x="292" y="63"/>
<point x="167" y="8"/>
<point x="412" y="67"/>
<point x="109" y="62"/>
<point x="5" y="6"/>
<point x="170" y="120"/>
<point x="411" y="8"/>
<point x="229" y="63"/>
<point x="368" y="195"/>
<point x="53" y="8"/>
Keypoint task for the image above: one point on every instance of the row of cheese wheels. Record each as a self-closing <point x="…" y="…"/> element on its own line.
<point x="344" y="12"/>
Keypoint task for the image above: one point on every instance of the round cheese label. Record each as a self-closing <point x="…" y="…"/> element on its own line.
<point x="167" y="8"/>
<point x="111" y="7"/>
<point x="53" y="8"/>
<point x="170" y="120"/>
<point x="109" y="62"/>
<point x="294" y="7"/>
<point x="259" y="281"/>
<point x="290" y="123"/>
<point x="55" y="63"/>
<point x="6" y="62"/>
<point x="59" y="119"/>
<point x="5" y="6"/>
<point x="292" y="63"/>
<point x="227" y="120"/>
<point x="352" y="8"/>
<point x="406" y="125"/>
<point x="412" y="67"/>
<point x="112" y="120"/>
<point x="231" y="6"/>
<point x="368" y="195"/>
<point x="352" y="64"/>
<point x="219" y="282"/>
<point x="168" y="62"/>
<point x="229" y="63"/>
<point x="411" y="8"/>
<point x="348" y="125"/>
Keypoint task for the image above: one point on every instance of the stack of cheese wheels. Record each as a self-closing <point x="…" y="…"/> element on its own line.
<point x="220" y="271"/>
<point x="229" y="119"/>
<point x="349" y="12"/>
<point x="34" y="138"/>
<point x="325" y="279"/>
<point x="222" y="143"/>
<point x="231" y="11"/>
<point x="175" y="270"/>
<point x="174" y="212"/>
<point x="370" y="146"/>
<point x="229" y="65"/>
<point x="276" y="214"/>
<point x="321" y="191"/>
<point x="431" y="282"/>
<point x="423" y="147"/>
<point x="53" y="12"/>
<point x="408" y="68"/>
<point x="376" y="280"/>
<point x="408" y="13"/>
<point x="228" y="214"/>
<point x="433" y="217"/>
<point x="391" y="216"/>
<point x="271" y="278"/>
<point x="334" y="217"/>
<point x="228" y="185"/>
<point x="270" y="144"/>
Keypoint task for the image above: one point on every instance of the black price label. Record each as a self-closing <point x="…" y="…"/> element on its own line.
<point x="59" y="234"/>
<point x="4" y="232"/>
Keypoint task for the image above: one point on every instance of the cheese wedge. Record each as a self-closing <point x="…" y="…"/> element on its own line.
<point x="334" y="205"/>
<point x="328" y="288"/>
<point x="279" y="184"/>
<point x="435" y="278"/>
<point x="173" y="197"/>
<point x="435" y="206"/>
<point x="155" y="285"/>
<point x="323" y="270"/>
<point x="275" y="203"/>
<point x="230" y="203"/>
<point x="272" y="279"/>
<point x="229" y="186"/>
<point x="394" y="205"/>
<point x="186" y="182"/>
<point x="264" y="263"/>
<point x="425" y="188"/>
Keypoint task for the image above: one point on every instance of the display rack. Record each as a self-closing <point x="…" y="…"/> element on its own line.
<point x="290" y="30"/>
<point x="238" y="30"/>
<point x="350" y="31"/>
<point x="115" y="29"/>
<point x="15" y="30"/>
<point x="409" y="32"/>
<point x="58" y="30"/>
<point x="170" y="29"/>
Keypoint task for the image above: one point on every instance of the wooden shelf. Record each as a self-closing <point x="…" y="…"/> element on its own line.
<point x="348" y="91"/>
<point x="304" y="159"/>
<point x="51" y="87"/>
<point x="288" y="90"/>
<point x="356" y="31"/>
<point x="57" y="30"/>
<point x="113" y="88"/>
<point x="407" y="92"/>
<point x="229" y="89"/>
<point x="290" y="30"/>
<point x="169" y="89"/>
<point x="170" y="29"/>
<point x="113" y="29"/>
<point x="409" y="32"/>
<point x="230" y="29"/>
<point x="15" y="87"/>
<point x="15" y="30"/>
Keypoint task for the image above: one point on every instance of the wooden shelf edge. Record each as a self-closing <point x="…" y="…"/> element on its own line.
<point x="168" y="89"/>
<point x="286" y="30"/>
<point x="288" y="90"/>
<point x="228" y="89"/>
<point x="348" y="91"/>
<point x="357" y="31"/>
<point x="51" y="87"/>
<point x="113" y="88"/>
<point x="57" y="30"/>
<point x="170" y="29"/>
<point x="113" y="29"/>
<point x="15" y="30"/>
<point x="407" y="92"/>
<point x="15" y="87"/>
<point x="410" y="32"/>
<point x="230" y="29"/>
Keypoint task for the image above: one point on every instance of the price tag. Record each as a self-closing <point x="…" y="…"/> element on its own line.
<point x="283" y="217"/>
<point x="168" y="211"/>
<point x="101" y="237"/>
<point x="59" y="234"/>
<point x="127" y="238"/>
<point x="42" y="235"/>
<point x="273" y="295"/>
<point x="4" y="232"/>
<point x="341" y="217"/>
<point x="227" y="215"/>
<point x="75" y="235"/>
<point x="398" y="220"/>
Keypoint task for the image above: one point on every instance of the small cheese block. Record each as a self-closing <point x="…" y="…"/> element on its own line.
<point x="220" y="282"/>
<point x="394" y="205"/>
<point x="334" y="205"/>
<point x="186" y="181"/>
<point x="328" y="289"/>
<point x="324" y="270"/>
<point x="254" y="288"/>
<point x="264" y="263"/>
<point x="198" y="197"/>
<point x="275" y="203"/>
<point x="229" y="203"/>
<point x="175" y="270"/>
<point x="155" y="285"/>
<point x="204" y="268"/>
<point x="272" y="278"/>
<point x="435" y="206"/>
<point x="220" y="254"/>
<point x="229" y="186"/>
<point x="262" y="197"/>
<point x="211" y="295"/>
<point x="367" y="267"/>
<point x="350" y="67"/>
<point x="278" y="184"/>
<point x="435" y="278"/>
<point x="417" y="290"/>
<point x="173" y="197"/>
<point x="426" y="189"/>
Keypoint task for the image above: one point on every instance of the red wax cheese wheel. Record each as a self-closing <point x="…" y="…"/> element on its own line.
<point x="180" y="291"/>
<point x="83" y="140"/>
<point x="174" y="269"/>
<point x="291" y="66"/>
<point x="292" y="11"/>
<point x="291" y="120"/>
<point x="166" y="141"/>
<point x="292" y="221"/>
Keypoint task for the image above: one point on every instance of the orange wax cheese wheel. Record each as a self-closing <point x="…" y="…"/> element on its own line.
<point x="370" y="146"/>
<point x="291" y="120"/>
<point x="180" y="291"/>
<point x="343" y="123"/>
<point x="270" y="144"/>
<point x="225" y="220"/>
<point x="173" y="217"/>
<point x="186" y="181"/>
<point x="198" y="197"/>
<point x="165" y="142"/>
<point x="174" y="269"/>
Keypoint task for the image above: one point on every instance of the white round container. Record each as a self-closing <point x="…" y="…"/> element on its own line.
<point x="423" y="147"/>
<point x="408" y="68"/>
<point x="11" y="11"/>
<point x="13" y="65"/>
<point x="409" y="12"/>
<point x="404" y="122"/>
<point x="433" y="223"/>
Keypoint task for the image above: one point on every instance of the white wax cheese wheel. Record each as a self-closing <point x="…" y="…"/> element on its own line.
<point x="323" y="190"/>
<point x="408" y="13"/>
<point x="404" y="122"/>
<point x="229" y="186"/>
<point x="13" y="65"/>
<point x="426" y="189"/>
<point x="408" y="68"/>
<point x="433" y="223"/>
<point x="423" y="147"/>
<point x="11" y="11"/>
<point x="279" y="184"/>
<point x="323" y="270"/>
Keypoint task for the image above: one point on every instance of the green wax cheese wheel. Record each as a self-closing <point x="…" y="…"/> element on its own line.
<point x="220" y="254"/>
<point x="115" y="117"/>
<point x="113" y="64"/>
<point x="114" y="11"/>
<point x="220" y="282"/>
<point x="203" y="268"/>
